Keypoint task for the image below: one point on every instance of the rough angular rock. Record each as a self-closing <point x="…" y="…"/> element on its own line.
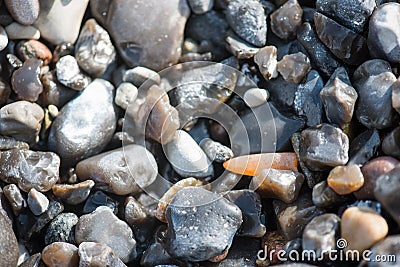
<point x="373" y="81"/>
<point x="323" y="196"/>
<point x="364" y="147"/>
<point x="205" y="233"/>
<point x="38" y="203"/>
<point x="103" y="226"/>
<point x="362" y="222"/>
<point x="73" y="136"/>
<point x="248" y="20"/>
<point x="320" y="56"/>
<point x="384" y="33"/>
<point x="30" y="169"/>
<point x="255" y="97"/>
<point x="121" y="171"/>
<point x="343" y="43"/>
<point x="240" y="48"/>
<point x="73" y="194"/>
<point x="307" y="101"/>
<point x="287" y="19"/>
<point x="61" y="229"/>
<point x="294" y="67"/>
<point x="8" y="244"/>
<point x="216" y="151"/>
<point x="25" y="80"/>
<point x="353" y="14"/>
<point x="15" y="198"/>
<point x="323" y="147"/>
<point x="60" y="254"/>
<point x="25" y="12"/>
<point x="320" y="234"/>
<point x="345" y="179"/>
<point x="94" y="50"/>
<point x="69" y="74"/>
<point x="186" y="156"/>
<point x="59" y="21"/>
<point x="98" y="254"/>
<point x="390" y="144"/>
<point x="155" y="41"/>
<point x="266" y="60"/>
<point x="278" y="184"/>
<point x="339" y="98"/>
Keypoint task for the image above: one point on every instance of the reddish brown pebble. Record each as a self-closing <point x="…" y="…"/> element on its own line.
<point x="371" y="171"/>
<point x="252" y="165"/>
<point x="34" y="49"/>
<point x="345" y="179"/>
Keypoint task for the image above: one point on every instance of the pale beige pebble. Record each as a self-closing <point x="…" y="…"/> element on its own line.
<point x="294" y="67"/>
<point x="362" y="228"/>
<point x="266" y="59"/>
<point x="60" y="254"/>
<point x="255" y="97"/>
<point x="169" y="195"/>
<point x="19" y="31"/>
<point x="346" y="179"/>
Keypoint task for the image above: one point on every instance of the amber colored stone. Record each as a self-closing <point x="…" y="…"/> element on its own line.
<point x="60" y="254"/>
<point x="252" y="165"/>
<point x="345" y="179"/>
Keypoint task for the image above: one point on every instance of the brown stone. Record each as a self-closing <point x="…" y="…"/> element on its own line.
<point x="345" y="179"/>
<point x="34" y="49"/>
<point x="73" y="194"/>
<point x="294" y="67"/>
<point x="60" y="254"/>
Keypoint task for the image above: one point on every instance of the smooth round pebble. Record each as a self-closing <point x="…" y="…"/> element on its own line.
<point x="345" y="179"/>
<point x="255" y="97"/>
<point x="125" y="95"/>
<point x="60" y="254"/>
<point x="16" y="31"/>
<point x="24" y="11"/>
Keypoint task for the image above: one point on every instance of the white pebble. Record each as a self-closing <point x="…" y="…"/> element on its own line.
<point x="126" y="94"/>
<point x="255" y="97"/>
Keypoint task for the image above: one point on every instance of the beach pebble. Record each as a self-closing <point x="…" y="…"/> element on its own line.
<point x="98" y="254"/>
<point x="216" y="151"/>
<point x="8" y="244"/>
<point x="34" y="49"/>
<point x="3" y="38"/>
<point x="38" y="203"/>
<point x="23" y="11"/>
<point x="201" y="6"/>
<point x="60" y="254"/>
<point x="73" y="194"/>
<point x="25" y="80"/>
<point x="139" y="75"/>
<point x="287" y="19"/>
<point x="345" y="179"/>
<point x="17" y="31"/>
<point x="294" y="67"/>
<point x="69" y="74"/>
<point x="255" y="97"/>
<point x="324" y="196"/>
<point x="125" y="95"/>
<point x="15" y="198"/>
<point x="61" y="229"/>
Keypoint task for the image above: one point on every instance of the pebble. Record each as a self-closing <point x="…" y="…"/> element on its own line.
<point x="323" y="196"/>
<point x="201" y="6"/>
<point x="60" y="254"/>
<point x="353" y="14"/>
<point x="254" y="164"/>
<point x="63" y="49"/>
<point x="255" y="97"/>
<point x="216" y="151"/>
<point x="33" y="261"/>
<point x="60" y="21"/>
<point x="248" y="20"/>
<point x="3" y="38"/>
<point x="320" y="56"/>
<point x="24" y="12"/>
<point x="396" y="95"/>
<point x="7" y="143"/>
<point x="23" y="254"/>
<point x="98" y="254"/>
<point x="373" y="81"/>
<point x="104" y="227"/>
<point x="386" y="192"/>
<point x="54" y="93"/>
<point x="38" y="203"/>
<point x="371" y="172"/>
<point x="294" y="67"/>
<point x="141" y="75"/>
<point x="73" y="194"/>
<point x="30" y="169"/>
<point x="171" y="192"/>
<point x="100" y="199"/>
<point x="266" y="60"/>
<point x="390" y="144"/>
<point x="282" y="93"/>
<point x="323" y="147"/>
<point x="249" y="203"/>
<point x="383" y="27"/>
<point x="25" y="80"/>
<point x="345" y="179"/>
<point x="61" y="229"/>
<point x="157" y="117"/>
<point x="15" y="198"/>
<point x="320" y="234"/>
<point x="94" y="50"/>
<point x="240" y="48"/>
<point x="362" y="222"/>
<point x="339" y="98"/>
<point x="152" y="45"/>
<point x="287" y="19"/>
<point x="8" y="244"/>
<point x="125" y="95"/>
<point x="363" y="147"/>
<point x="347" y="45"/>
<point x="69" y="74"/>
<point x="16" y="31"/>
<point x="120" y="171"/>
<point x="387" y="246"/>
<point x="307" y="100"/>
<point x="34" y="49"/>
<point x="186" y="156"/>
<point x="73" y="136"/>
<point x="278" y="184"/>
<point x="293" y="218"/>
<point x="205" y="233"/>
